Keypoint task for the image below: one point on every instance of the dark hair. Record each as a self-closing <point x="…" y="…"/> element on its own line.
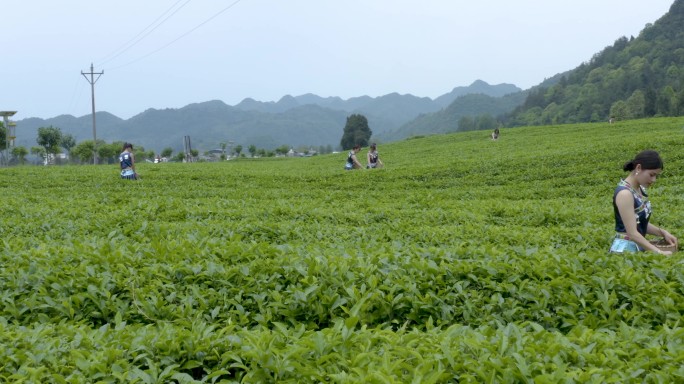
<point x="373" y="146"/>
<point x="127" y="145"/>
<point x="357" y="146"/>
<point x="648" y="159"/>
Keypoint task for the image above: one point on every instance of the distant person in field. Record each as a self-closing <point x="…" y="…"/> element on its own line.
<point x="373" y="158"/>
<point x="495" y="134"/>
<point x="127" y="162"/>
<point x="632" y="208"/>
<point x="352" y="161"/>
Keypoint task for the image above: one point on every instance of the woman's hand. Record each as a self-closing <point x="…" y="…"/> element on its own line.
<point x="671" y="240"/>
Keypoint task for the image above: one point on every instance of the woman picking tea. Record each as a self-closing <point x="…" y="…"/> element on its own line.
<point x="632" y="208"/>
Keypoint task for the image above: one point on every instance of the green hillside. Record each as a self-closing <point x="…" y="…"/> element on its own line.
<point x="464" y="260"/>
<point x="451" y="118"/>
<point x="634" y="78"/>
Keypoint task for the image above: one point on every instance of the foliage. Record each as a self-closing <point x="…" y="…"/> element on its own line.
<point x="482" y="122"/>
<point x="167" y="152"/>
<point x="20" y="153"/>
<point x="356" y="131"/>
<point x="139" y="153"/>
<point x="633" y="78"/>
<point x="50" y="138"/>
<point x="461" y="115"/>
<point x="108" y="153"/>
<point x="84" y="151"/>
<point x="39" y="151"/>
<point x="68" y="141"/>
<point x="3" y="136"/>
<point x="487" y="263"/>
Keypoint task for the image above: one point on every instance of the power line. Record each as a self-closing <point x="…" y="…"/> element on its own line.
<point x="76" y="94"/>
<point x="132" y="42"/>
<point x="179" y="37"/>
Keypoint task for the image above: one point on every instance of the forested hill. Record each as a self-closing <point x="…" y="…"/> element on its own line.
<point x="468" y="112"/>
<point x="633" y="78"/>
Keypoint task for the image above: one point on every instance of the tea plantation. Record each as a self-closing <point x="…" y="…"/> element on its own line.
<point x="465" y="260"/>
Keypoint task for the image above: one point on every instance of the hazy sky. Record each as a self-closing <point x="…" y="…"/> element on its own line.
<point x="170" y="53"/>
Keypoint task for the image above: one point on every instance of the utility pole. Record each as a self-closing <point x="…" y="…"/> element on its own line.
<point x="92" y="81"/>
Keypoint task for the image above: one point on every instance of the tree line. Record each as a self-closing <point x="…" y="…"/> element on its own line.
<point x="52" y="142"/>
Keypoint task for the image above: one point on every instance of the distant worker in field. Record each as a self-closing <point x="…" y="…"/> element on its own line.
<point x="373" y="158"/>
<point x="127" y="162"/>
<point x="352" y="161"/>
<point x="632" y="208"/>
<point x="495" y="134"/>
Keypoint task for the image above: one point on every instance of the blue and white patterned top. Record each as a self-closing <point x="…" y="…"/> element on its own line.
<point x="642" y="208"/>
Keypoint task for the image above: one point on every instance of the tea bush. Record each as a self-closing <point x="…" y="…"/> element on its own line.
<point x="464" y="260"/>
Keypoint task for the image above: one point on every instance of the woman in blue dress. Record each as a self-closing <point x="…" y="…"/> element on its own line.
<point x="633" y="210"/>
<point x="127" y="162"/>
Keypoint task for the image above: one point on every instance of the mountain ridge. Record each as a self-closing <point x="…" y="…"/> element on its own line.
<point x="304" y="120"/>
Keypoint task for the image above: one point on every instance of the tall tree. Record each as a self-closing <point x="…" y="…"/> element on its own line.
<point x="636" y="105"/>
<point x="619" y="110"/>
<point x="650" y="102"/>
<point x="356" y="131"/>
<point x="50" y="138"/>
<point x="667" y="102"/>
